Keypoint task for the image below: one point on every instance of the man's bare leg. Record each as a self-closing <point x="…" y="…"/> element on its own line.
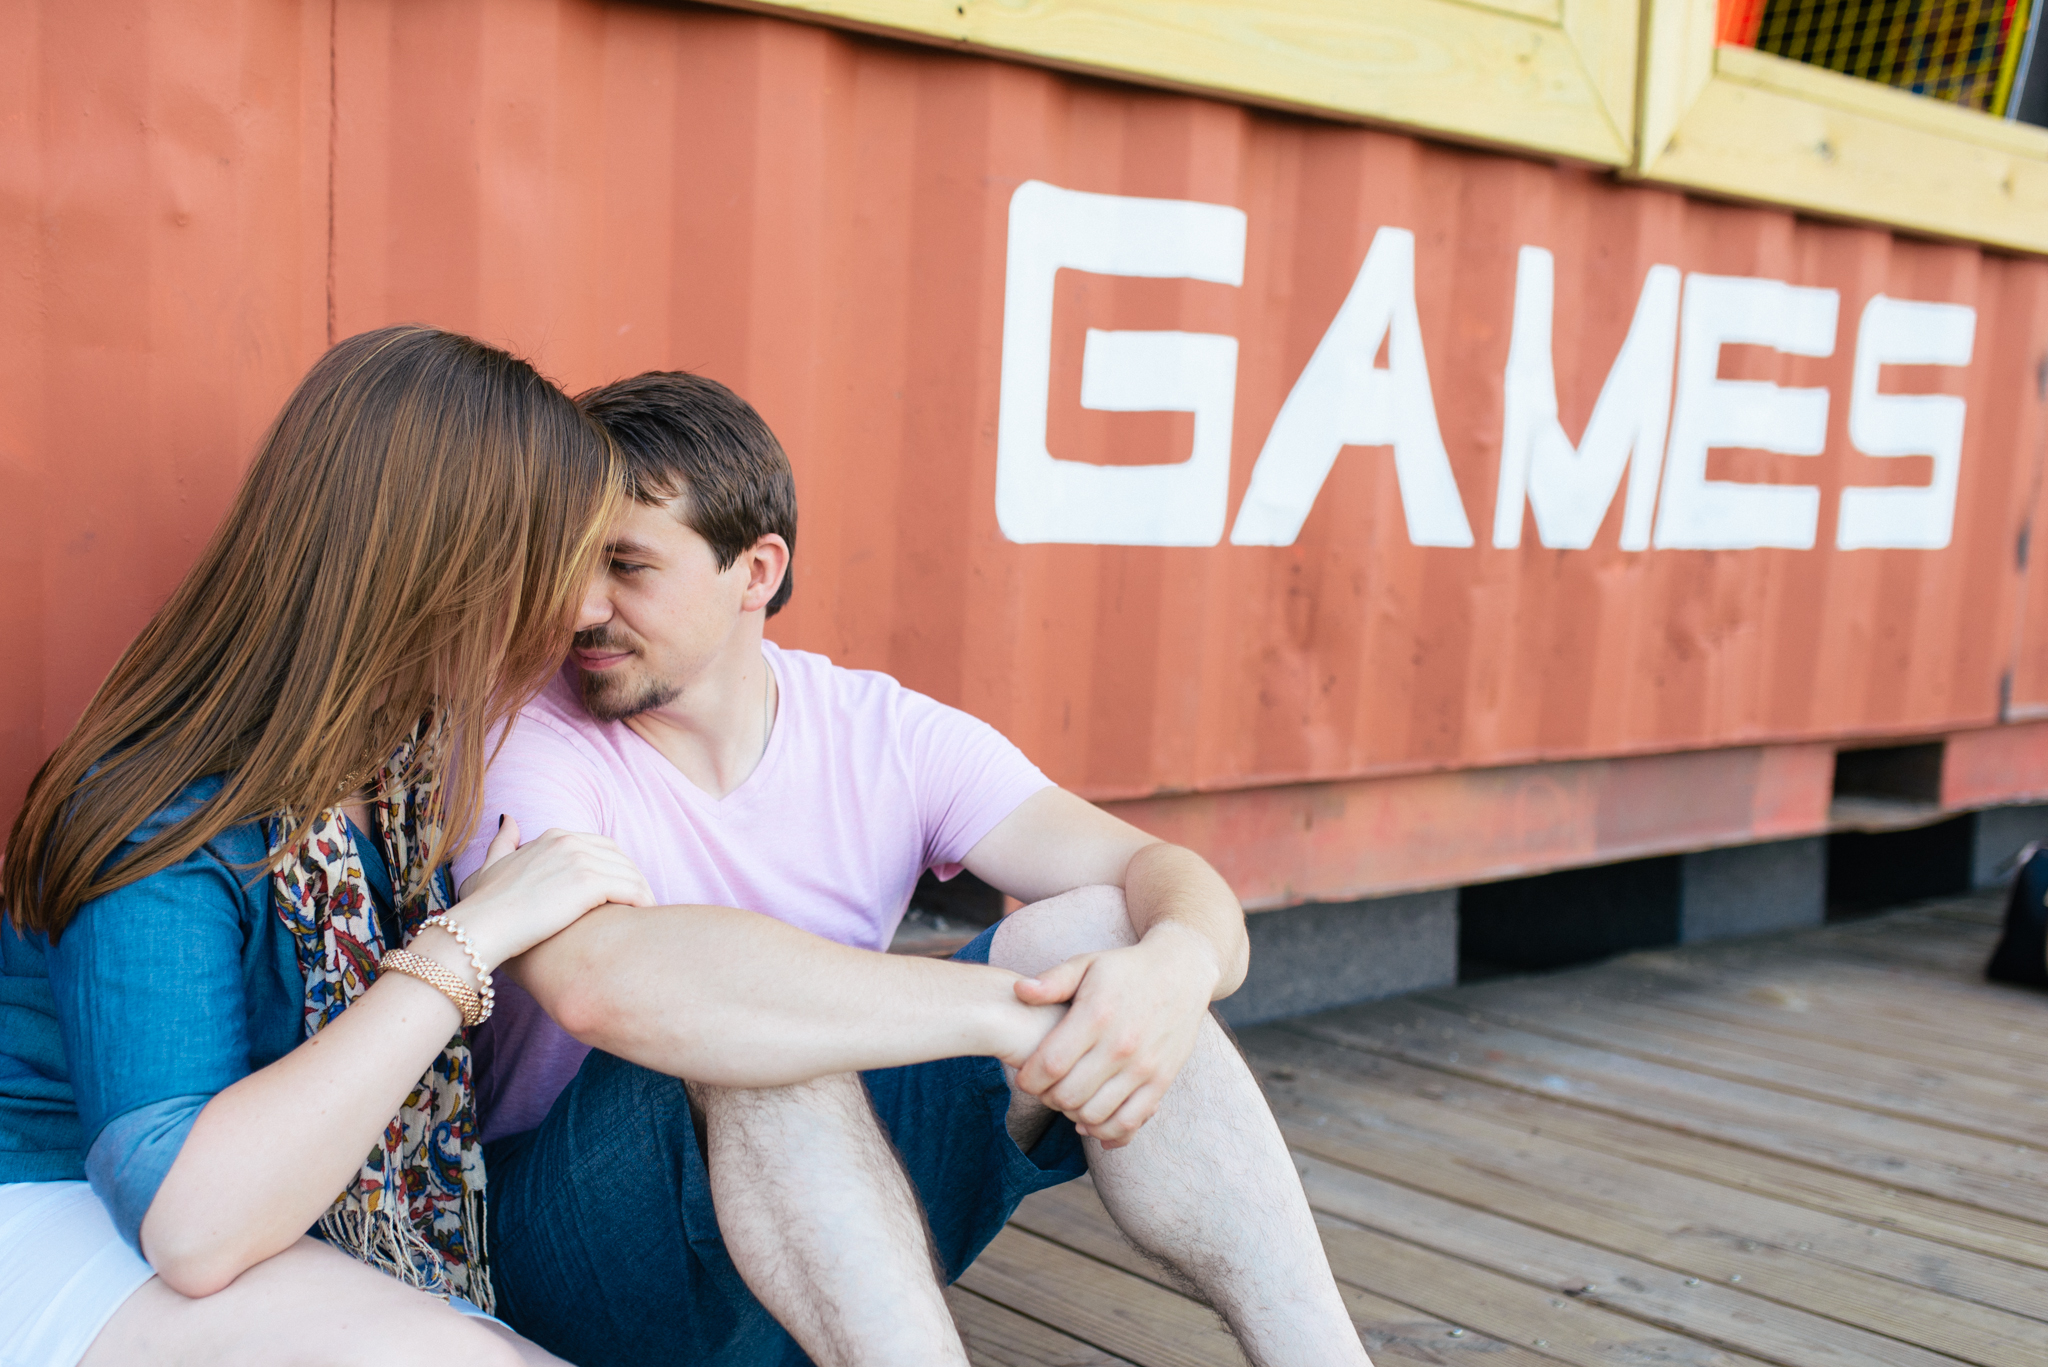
<point x="1207" y="1186"/>
<point x="824" y="1225"/>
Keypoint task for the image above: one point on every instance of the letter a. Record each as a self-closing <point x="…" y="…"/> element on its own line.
<point x="1342" y="399"/>
<point x="1570" y="489"/>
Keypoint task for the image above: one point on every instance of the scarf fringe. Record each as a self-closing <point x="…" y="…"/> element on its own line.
<point x="476" y="1273"/>
<point x="388" y="1242"/>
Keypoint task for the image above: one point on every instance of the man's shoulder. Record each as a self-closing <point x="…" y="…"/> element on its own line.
<point x="546" y="769"/>
<point x="558" y="705"/>
<point x="553" y="728"/>
<point x="852" y="705"/>
<point x="835" y="685"/>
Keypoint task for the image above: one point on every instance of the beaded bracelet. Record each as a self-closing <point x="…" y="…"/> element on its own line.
<point x="446" y="979"/>
<point x="483" y="975"/>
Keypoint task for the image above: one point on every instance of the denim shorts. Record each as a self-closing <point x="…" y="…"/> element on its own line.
<point x="604" y="1247"/>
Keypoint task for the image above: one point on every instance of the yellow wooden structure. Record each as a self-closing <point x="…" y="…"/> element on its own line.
<point x="1641" y="87"/>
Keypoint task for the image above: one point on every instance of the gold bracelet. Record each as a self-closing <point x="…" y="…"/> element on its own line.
<point x="440" y="976"/>
<point x="484" y="986"/>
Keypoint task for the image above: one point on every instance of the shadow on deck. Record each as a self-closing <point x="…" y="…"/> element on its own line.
<point x="1827" y="1149"/>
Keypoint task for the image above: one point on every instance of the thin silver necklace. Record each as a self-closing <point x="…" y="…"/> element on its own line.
<point x="767" y="712"/>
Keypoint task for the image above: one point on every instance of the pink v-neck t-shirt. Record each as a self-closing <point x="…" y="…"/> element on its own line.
<point x="864" y="785"/>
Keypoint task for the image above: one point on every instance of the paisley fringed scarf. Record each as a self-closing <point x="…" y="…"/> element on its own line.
<point x="415" y="1210"/>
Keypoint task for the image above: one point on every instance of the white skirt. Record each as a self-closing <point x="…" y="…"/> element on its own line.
<point x="64" y="1271"/>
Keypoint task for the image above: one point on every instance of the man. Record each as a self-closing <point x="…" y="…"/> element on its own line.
<point x="779" y="1203"/>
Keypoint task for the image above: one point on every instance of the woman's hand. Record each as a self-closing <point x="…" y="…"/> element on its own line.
<point x="1022" y="1027"/>
<point x="524" y="894"/>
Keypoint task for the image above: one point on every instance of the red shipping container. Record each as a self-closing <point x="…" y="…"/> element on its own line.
<point x="1011" y="323"/>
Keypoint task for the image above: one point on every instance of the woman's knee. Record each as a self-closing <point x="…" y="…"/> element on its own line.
<point x="457" y="1338"/>
<point x="1084" y="921"/>
<point x="426" y="1333"/>
<point x="310" y="1304"/>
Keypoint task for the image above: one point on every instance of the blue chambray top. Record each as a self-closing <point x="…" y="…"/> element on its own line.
<point x="155" y="997"/>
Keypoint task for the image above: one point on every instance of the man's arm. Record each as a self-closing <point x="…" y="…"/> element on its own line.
<point x="738" y="999"/>
<point x="730" y="997"/>
<point x="1135" y="1012"/>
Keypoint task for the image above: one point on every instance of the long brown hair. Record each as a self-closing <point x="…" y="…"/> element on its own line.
<point x="414" y="535"/>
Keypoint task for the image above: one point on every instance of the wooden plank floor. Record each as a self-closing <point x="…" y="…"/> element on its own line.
<point x="1827" y="1149"/>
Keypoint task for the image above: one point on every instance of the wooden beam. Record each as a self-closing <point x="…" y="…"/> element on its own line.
<point x="1753" y="126"/>
<point x="1555" y="77"/>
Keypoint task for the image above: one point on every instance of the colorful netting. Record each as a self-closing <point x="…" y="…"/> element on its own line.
<point x="1965" y="52"/>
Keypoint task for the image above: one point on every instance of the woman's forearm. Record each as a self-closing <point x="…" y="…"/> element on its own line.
<point x="268" y="1155"/>
<point x="739" y="999"/>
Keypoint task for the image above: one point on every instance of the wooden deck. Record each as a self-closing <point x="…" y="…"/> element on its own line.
<point x="1821" y="1150"/>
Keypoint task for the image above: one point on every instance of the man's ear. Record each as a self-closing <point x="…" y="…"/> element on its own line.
<point x="767" y="560"/>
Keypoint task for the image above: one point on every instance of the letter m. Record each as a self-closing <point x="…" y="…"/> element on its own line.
<point x="1570" y="488"/>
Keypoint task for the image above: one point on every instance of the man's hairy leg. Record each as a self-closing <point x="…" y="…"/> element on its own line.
<point x="823" y="1223"/>
<point x="1207" y="1186"/>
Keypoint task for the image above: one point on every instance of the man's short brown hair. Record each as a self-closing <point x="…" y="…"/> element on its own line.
<point x="685" y="436"/>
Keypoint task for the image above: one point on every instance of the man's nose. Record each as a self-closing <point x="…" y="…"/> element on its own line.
<point x="596" y="608"/>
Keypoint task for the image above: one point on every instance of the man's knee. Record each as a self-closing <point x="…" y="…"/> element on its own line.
<point x="835" y="1094"/>
<point x="763" y="1122"/>
<point x="1084" y="921"/>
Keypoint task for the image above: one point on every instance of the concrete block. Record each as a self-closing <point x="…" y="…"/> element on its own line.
<point x="1752" y="889"/>
<point x="2000" y="833"/>
<point x="1325" y="954"/>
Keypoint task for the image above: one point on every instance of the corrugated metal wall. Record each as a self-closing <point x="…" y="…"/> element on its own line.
<point x="163" y="283"/>
<point x="199" y="194"/>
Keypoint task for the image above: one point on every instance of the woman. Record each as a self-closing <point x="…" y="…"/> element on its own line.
<point x="204" y="1006"/>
